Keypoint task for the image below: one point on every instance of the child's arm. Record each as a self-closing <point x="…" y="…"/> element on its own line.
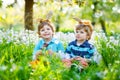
<point x="60" y="47"/>
<point x="36" y="49"/>
<point x="39" y="52"/>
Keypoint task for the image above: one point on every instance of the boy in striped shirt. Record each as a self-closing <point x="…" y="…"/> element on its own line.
<point x="80" y="49"/>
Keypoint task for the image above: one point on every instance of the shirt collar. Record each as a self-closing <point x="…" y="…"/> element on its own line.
<point x="51" y="41"/>
<point x="84" y="44"/>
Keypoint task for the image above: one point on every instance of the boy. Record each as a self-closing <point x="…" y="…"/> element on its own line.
<point x="47" y="41"/>
<point x="80" y="49"/>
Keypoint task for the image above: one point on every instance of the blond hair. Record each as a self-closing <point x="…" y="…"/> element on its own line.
<point x="86" y="25"/>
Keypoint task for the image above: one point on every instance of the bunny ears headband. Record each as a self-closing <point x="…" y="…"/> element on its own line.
<point x="48" y="16"/>
<point x="83" y="22"/>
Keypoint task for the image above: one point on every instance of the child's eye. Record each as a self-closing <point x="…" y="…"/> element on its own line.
<point x="48" y="28"/>
<point x="77" y="31"/>
<point x="42" y="30"/>
<point x="81" y="32"/>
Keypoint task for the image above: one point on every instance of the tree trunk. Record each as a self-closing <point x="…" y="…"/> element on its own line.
<point x="58" y="23"/>
<point x="28" y="16"/>
<point x="94" y="11"/>
<point x="58" y="20"/>
<point x="102" y="22"/>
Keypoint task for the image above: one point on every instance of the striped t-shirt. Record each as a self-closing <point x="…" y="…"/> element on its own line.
<point x="86" y="50"/>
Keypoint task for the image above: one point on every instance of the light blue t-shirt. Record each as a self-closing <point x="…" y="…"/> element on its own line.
<point x="54" y="45"/>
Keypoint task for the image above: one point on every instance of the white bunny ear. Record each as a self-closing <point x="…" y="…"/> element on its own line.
<point x="77" y="19"/>
<point x="49" y="15"/>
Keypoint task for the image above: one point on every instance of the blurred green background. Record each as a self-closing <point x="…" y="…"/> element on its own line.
<point x="104" y="14"/>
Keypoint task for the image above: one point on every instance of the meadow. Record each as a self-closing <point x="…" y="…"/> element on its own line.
<point x="16" y="54"/>
<point x="16" y="43"/>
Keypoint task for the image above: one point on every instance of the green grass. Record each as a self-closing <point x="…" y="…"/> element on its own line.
<point x="15" y="59"/>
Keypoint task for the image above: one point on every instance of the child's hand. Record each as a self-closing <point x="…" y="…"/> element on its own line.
<point x="50" y="52"/>
<point x="37" y="54"/>
<point x="67" y="62"/>
<point x="77" y="58"/>
<point x="84" y="62"/>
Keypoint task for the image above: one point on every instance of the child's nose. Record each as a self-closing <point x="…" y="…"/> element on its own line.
<point x="46" y="31"/>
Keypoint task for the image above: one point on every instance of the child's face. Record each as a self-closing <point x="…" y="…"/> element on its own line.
<point x="81" y="35"/>
<point x="46" y="32"/>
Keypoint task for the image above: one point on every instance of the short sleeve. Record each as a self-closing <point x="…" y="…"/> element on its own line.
<point x="60" y="47"/>
<point x="91" y="51"/>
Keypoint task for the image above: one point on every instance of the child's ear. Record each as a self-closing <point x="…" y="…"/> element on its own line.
<point x="38" y="33"/>
<point x="88" y="37"/>
<point x="53" y="33"/>
<point x="40" y="36"/>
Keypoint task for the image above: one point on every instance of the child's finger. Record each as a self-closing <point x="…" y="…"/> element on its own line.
<point x="84" y="63"/>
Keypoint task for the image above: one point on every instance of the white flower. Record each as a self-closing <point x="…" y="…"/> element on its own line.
<point x="13" y="67"/>
<point x="3" y="67"/>
<point x="97" y="57"/>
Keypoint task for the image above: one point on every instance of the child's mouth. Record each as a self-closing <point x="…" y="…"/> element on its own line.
<point x="46" y="34"/>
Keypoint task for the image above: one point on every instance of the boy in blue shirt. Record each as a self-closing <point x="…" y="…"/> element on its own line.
<point x="47" y="42"/>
